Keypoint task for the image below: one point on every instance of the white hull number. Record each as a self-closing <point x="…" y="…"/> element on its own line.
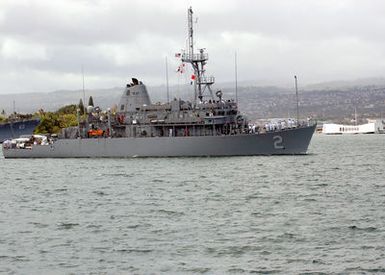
<point x="278" y="142"/>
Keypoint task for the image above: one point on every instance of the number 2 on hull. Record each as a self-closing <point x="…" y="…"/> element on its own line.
<point x="278" y="142"/>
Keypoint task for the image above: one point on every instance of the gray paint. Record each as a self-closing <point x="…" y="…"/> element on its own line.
<point x="134" y="96"/>
<point x="288" y="142"/>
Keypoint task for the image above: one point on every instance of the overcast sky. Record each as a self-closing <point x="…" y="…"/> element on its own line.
<point x="44" y="43"/>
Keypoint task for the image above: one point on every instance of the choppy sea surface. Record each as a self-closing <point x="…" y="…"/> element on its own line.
<point x="323" y="212"/>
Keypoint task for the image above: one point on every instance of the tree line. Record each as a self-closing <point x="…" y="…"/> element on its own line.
<point x="64" y="117"/>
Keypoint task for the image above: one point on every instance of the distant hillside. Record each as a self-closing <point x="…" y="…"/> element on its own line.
<point x="331" y="105"/>
<point x="347" y="84"/>
<point x="31" y="102"/>
<point x="323" y="103"/>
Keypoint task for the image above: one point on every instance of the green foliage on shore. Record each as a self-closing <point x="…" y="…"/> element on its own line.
<point x="49" y="124"/>
<point x="68" y="109"/>
<point x="53" y="122"/>
<point x="4" y="118"/>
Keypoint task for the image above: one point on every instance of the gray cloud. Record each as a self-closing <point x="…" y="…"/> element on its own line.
<point x="44" y="43"/>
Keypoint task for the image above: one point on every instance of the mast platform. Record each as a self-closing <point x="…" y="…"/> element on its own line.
<point x="196" y="57"/>
<point x="206" y="80"/>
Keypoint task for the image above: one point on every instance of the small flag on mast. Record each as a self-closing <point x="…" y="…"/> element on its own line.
<point x="181" y="68"/>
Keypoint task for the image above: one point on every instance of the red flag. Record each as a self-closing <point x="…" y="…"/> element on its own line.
<point x="193" y="77"/>
<point x="181" y="68"/>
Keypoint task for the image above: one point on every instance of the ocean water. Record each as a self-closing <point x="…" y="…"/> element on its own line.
<point x="323" y="212"/>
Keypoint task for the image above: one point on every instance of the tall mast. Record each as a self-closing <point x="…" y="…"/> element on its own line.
<point x="168" y="89"/>
<point x="197" y="61"/>
<point x="190" y="32"/>
<point x="84" y="92"/>
<point x="12" y="118"/>
<point x="190" y="52"/>
<point x="236" y="78"/>
<point x="296" y="97"/>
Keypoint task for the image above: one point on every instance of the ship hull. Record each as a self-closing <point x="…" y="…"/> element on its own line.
<point x="288" y="142"/>
<point x="17" y="128"/>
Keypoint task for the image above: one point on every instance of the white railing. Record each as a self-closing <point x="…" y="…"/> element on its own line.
<point x="196" y="57"/>
<point x="206" y="80"/>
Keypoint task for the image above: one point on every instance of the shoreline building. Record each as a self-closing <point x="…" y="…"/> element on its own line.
<point x="374" y="126"/>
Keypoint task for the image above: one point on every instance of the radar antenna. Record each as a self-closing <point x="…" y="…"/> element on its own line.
<point x="197" y="61"/>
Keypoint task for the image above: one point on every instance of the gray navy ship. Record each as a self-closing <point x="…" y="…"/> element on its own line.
<point x="16" y="127"/>
<point x="209" y="125"/>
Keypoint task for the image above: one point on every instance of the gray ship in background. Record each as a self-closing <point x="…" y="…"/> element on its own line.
<point x="209" y="126"/>
<point x="17" y="125"/>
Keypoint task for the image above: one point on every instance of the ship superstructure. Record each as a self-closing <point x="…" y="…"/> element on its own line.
<point x="207" y="115"/>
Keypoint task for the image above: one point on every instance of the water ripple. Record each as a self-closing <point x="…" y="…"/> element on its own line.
<point x="315" y="214"/>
